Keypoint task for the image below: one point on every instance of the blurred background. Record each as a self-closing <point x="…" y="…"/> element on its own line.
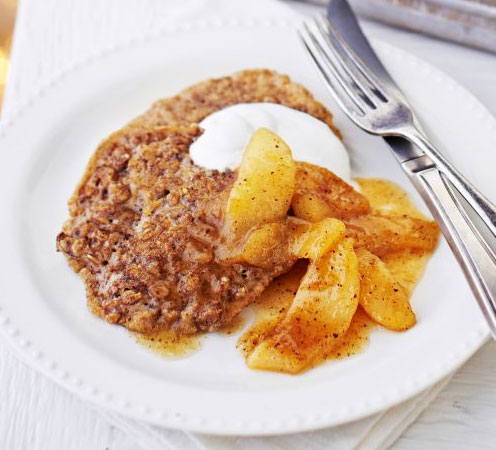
<point x="7" y="19"/>
<point x="468" y="22"/>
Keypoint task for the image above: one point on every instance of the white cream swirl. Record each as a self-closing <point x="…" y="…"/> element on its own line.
<point x="226" y="133"/>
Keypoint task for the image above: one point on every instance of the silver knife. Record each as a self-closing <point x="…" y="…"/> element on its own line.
<point x="343" y="18"/>
<point x="468" y="241"/>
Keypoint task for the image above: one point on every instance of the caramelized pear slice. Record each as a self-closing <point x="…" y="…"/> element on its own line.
<point x="382" y="297"/>
<point x="264" y="186"/>
<point x="319" y="193"/>
<point x="320" y="313"/>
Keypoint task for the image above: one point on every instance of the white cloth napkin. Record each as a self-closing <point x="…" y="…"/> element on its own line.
<point x="377" y="432"/>
<point x="135" y="16"/>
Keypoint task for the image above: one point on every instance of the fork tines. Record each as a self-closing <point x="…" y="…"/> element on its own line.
<point x="356" y="89"/>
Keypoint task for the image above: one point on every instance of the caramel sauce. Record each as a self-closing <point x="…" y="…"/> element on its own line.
<point x="388" y="198"/>
<point x="235" y="326"/>
<point x="169" y="344"/>
<point x="271" y="307"/>
<point x="355" y="339"/>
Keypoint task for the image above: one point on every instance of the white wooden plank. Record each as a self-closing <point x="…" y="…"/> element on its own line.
<point x="464" y="414"/>
<point x="36" y="414"/>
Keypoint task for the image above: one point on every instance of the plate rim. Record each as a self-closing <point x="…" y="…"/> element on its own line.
<point x="49" y="367"/>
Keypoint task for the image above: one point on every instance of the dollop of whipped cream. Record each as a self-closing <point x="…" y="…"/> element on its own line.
<point x="227" y="131"/>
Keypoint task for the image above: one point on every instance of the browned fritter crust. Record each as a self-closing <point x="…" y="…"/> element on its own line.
<point x="249" y="86"/>
<point x="144" y="220"/>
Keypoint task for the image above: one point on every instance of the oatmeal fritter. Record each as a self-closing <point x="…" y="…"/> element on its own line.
<point x="144" y="220"/>
<point x="249" y="86"/>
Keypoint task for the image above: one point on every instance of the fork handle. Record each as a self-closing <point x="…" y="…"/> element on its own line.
<point x="475" y="257"/>
<point x="481" y="205"/>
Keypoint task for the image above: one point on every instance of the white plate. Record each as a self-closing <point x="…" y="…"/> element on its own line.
<point x="43" y="312"/>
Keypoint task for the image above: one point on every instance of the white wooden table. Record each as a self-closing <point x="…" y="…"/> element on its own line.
<point x="36" y="414"/>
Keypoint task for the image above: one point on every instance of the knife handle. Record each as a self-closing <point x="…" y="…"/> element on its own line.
<point x="475" y="257"/>
<point x="481" y="205"/>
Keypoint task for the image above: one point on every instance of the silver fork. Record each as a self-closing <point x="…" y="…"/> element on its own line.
<point x="379" y="108"/>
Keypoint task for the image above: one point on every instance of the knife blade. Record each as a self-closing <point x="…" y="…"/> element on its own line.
<point x="341" y="15"/>
<point x="343" y="18"/>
